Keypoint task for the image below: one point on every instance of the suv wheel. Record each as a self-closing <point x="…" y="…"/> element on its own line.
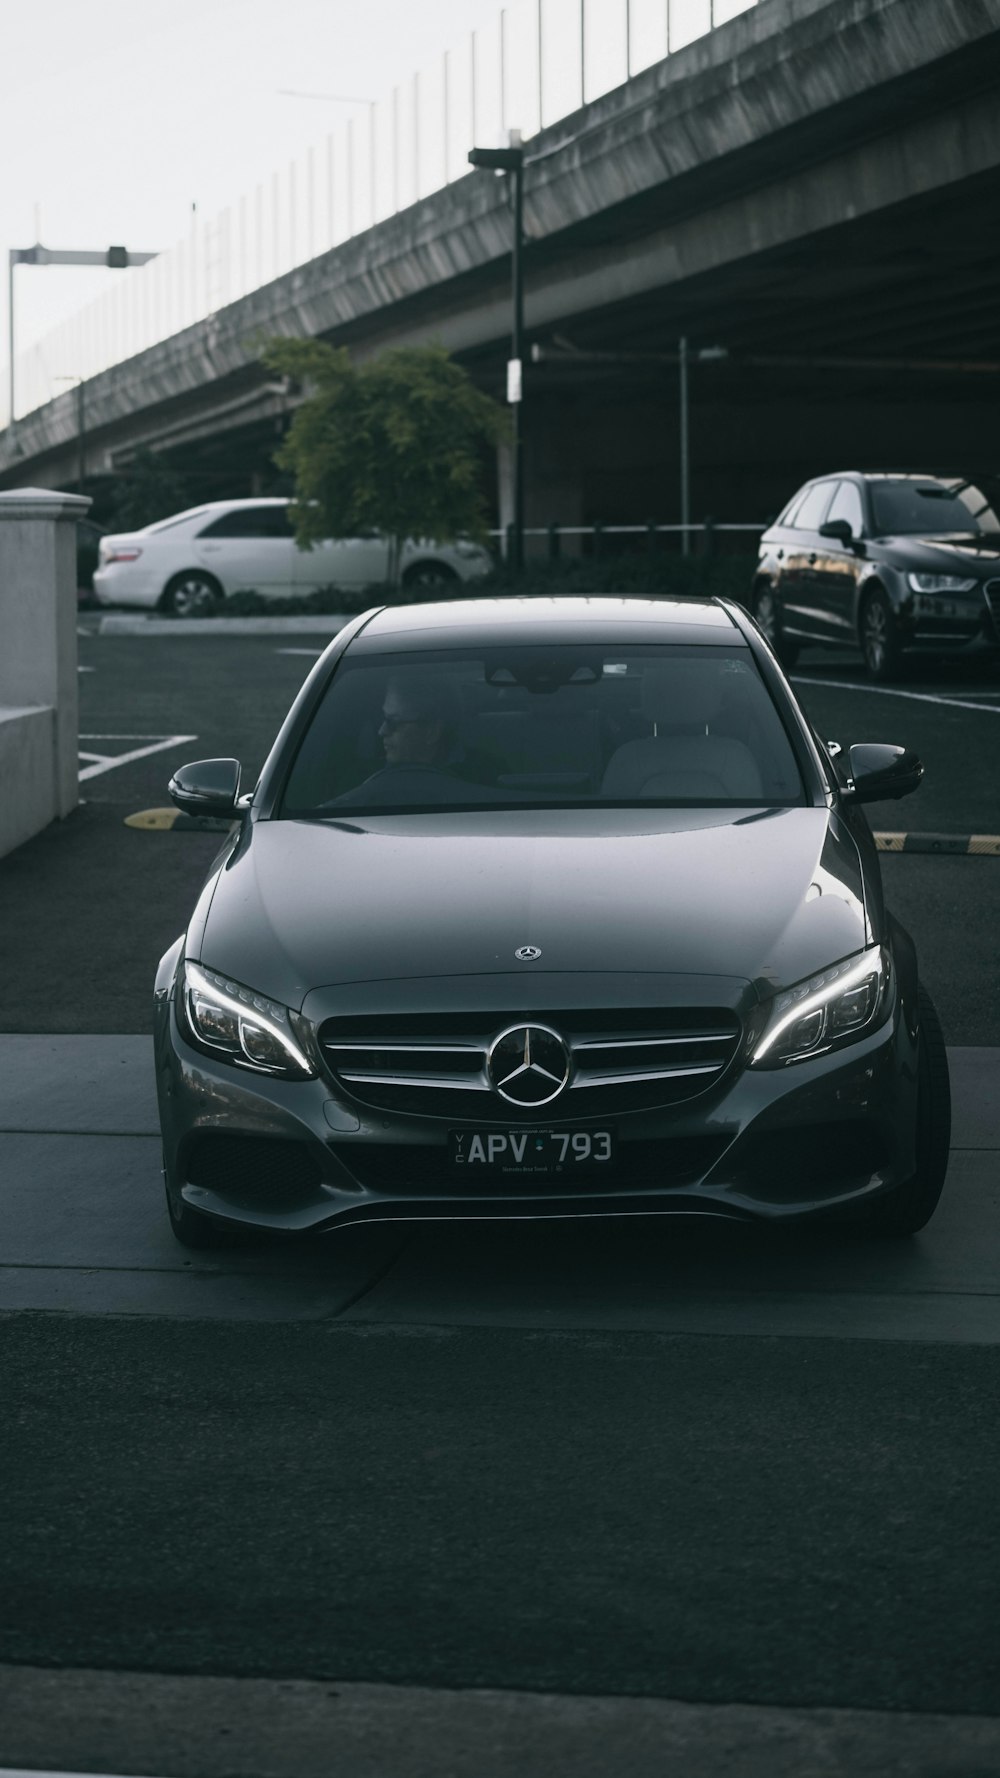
<point x="428" y="574"/>
<point x="879" y="637"/>
<point x="768" y="614"/>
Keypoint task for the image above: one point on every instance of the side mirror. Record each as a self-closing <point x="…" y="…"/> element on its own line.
<point x="880" y="772"/>
<point x="839" y="530"/>
<point x="208" y="787"/>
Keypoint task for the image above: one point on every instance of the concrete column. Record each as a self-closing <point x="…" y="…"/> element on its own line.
<point x="38" y="660"/>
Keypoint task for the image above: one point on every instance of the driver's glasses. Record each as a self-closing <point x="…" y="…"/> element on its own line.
<point x="391" y="722"/>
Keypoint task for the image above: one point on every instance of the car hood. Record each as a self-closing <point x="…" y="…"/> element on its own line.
<point x="939" y="554"/>
<point x="766" y="896"/>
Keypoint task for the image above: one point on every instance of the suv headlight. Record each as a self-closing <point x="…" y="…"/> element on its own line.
<point x="828" y="1009"/>
<point x="231" y="1020"/>
<point x="940" y="583"/>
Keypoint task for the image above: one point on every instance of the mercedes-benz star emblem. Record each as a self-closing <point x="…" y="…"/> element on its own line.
<point x="528" y="1065"/>
<point x="527" y="953"/>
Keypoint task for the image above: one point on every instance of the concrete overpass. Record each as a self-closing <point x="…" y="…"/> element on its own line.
<point x="814" y="186"/>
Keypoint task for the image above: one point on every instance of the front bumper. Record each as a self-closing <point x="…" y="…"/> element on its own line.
<point x="811" y="1140"/>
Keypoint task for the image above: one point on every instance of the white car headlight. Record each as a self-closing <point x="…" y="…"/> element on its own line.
<point x="836" y="1005"/>
<point x="234" y="1021"/>
<point x="940" y="583"/>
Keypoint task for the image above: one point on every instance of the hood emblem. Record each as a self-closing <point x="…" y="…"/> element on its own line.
<point x="528" y="1065"/>
<point x="527" y="953"/>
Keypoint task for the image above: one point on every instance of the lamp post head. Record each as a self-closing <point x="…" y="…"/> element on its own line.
<point x="498" y="160"/>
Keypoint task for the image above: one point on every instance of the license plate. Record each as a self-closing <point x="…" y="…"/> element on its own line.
<point x="520" y="1153"/>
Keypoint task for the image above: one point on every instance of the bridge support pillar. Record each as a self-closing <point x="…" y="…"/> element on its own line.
<point x="38" y="661"/>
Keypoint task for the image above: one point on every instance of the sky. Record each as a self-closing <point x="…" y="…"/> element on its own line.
<point x="117" y="115"/>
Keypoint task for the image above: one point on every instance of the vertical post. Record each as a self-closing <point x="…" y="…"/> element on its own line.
<point x="447" y="144"/>
<point x="517" y="352"/>
<point x="503" y="69"/>
<point x="472" y="81"/>
<point x="350" y="177"/>
<point x="416" y="136"/>
<point x="682" y="355"/>
<point x="372" y="193"/>
<point x="628" y="40"/>
<point x="10" y="335"/>
<point x="81" y="439"/>
<point x="583" y="52"/>
<point x="666" y="8"/>
<point x="395" y="148"/>
<point x="541" y="116"/>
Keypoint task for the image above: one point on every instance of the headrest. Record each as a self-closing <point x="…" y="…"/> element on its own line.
<point x="682" y="693"/>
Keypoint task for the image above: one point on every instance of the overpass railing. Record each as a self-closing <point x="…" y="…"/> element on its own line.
<point x="536" y="63"/>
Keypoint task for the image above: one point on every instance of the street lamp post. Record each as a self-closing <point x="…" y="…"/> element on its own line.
<point x="81" y="431"/>
<point x="116" y="257"/>
<point x="511" y="160"/>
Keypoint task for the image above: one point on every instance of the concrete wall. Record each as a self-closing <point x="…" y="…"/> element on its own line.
<point x="38" y="661"/>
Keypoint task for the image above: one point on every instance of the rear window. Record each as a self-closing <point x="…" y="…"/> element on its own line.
<point x="542" y="726"/>
<point x="926" y="505"/>
<point x="178" y="518"/>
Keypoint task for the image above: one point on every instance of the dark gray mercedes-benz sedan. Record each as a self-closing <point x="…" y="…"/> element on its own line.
<point x="547" y="908"/>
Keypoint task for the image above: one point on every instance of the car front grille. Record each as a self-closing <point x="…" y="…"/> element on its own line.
<point x="620" y="1060"/>
<point x="410" y="1169"/>
<point x="991" y="593"/>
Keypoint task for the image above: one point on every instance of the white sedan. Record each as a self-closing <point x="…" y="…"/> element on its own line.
<point x="190" y="563"/>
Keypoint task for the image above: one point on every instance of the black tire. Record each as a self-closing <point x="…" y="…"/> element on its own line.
<point x="429" y="574"/>
<point x="878" y="634"/>
<point x="192" y="594"/>
<point x="910" y="1205"/>
<point x="768" y="614"/>
<point x="190" y="1227"/>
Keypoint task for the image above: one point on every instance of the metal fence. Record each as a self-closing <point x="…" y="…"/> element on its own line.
<point x="538" y="61"/>
<point x="555" y="542"/>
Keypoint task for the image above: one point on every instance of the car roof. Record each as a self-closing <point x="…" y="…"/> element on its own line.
<point x="545" y="621"/>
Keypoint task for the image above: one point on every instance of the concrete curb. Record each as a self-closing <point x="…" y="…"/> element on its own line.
<point x="325" y="624"/>
<point x="951" y="845"/>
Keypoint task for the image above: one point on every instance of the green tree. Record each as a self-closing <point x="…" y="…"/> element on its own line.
<point x="148" y="490"/>
<point x="394" y="445"/>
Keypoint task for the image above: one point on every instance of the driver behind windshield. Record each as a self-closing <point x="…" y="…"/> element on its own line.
<point x="419" y="726"/>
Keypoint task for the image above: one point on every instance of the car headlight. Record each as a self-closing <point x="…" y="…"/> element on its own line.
<point x="940" y="583"/>
<point x="835" y="1006"/>
<point x="232" y="1020"/>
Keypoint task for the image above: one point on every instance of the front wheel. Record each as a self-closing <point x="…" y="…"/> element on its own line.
<point x="190" y="1227"/>
<point x="768" y="614"/>
<point x="191" y="595"/>
<point x="879" y="637"/>
<point x="910" y="1205"/>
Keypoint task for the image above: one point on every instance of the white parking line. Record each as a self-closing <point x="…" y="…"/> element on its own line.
<point x="889" y="691"/>
<point x="106" y="762"/>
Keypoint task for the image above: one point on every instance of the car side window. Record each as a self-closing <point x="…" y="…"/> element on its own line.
<point x="846" y="504"/>
<point x="810" y="514"/>
<point x="251" y="521"/>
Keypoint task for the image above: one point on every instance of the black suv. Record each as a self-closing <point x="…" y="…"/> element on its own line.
<point x="888" y="561"/>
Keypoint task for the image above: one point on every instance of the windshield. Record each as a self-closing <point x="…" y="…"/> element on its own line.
<point x="927" y="505"/>
<point x="544" y="727"/>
